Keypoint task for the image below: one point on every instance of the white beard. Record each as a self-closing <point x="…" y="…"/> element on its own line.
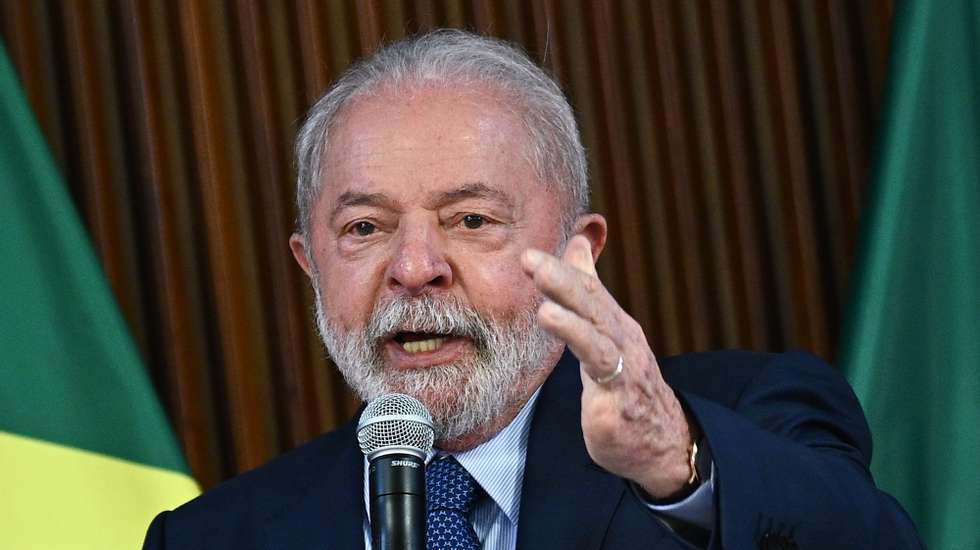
<point x="463" y="396"/>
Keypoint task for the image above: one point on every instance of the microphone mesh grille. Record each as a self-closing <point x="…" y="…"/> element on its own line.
<point x="411" y="427"/>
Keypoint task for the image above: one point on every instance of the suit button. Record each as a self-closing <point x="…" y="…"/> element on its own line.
<point x="775" y="541"/>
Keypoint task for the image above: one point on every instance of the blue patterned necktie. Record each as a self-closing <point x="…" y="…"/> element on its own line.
<point x="451" y="492"/>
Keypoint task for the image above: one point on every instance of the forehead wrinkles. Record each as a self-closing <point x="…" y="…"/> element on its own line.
<point x="409" y="170"/>
<point x="363" y="158"/>
<point x="362" y="129"/>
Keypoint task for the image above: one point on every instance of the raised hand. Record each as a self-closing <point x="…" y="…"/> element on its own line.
<point x="633" y="424"/>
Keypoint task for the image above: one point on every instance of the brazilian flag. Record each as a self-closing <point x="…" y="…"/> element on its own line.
<point x="913" y="347"/>
<point x="86" y="453"/>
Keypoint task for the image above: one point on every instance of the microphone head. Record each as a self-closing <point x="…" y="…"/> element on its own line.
<point x="395" y="423"/>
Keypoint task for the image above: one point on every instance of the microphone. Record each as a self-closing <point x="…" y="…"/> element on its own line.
<point x="395" y="433"/>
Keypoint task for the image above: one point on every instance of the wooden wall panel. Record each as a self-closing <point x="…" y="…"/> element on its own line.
<point x="729" y="144"/>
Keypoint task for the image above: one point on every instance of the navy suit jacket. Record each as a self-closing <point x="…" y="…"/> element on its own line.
<point x="790" y="445"/>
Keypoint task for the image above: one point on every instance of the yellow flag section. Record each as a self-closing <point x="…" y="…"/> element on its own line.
<point x="42" y="481"/>
<point x="87" y="456"/>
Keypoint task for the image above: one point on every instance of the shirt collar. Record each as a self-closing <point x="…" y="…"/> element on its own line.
<point x="498" y="464"/>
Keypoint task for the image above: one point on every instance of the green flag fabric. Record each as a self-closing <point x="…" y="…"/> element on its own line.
<point x="87" y="456"/>
<point x="912" y="346"/>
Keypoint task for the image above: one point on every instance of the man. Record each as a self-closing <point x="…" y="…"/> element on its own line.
<point x="444" y="225"/>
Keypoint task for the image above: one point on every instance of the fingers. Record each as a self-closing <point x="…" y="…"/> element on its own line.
<point x="578" y="253"/>
<point x="598" y="354"/>
<point x="570" y="285"/>
<point x="580" y="311"/>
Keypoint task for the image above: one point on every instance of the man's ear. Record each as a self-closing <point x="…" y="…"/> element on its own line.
<point x="593" y="227"/>
<point x="297" y="243"/>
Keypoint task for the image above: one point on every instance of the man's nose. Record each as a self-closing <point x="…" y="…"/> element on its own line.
<point x="419" y="263"/>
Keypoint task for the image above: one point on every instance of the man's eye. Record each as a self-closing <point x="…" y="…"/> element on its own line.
<point x="473" y="221"/>
<point x="363" y="228"/>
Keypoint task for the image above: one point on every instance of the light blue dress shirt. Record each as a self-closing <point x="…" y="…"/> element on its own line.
<point x="497" y="466"/>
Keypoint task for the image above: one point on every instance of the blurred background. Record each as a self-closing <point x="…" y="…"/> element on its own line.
<point x="729" y="144"/>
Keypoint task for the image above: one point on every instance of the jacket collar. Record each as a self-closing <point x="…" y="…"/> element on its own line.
<point x="568" y="501"/>
<point x="327" y="511"/>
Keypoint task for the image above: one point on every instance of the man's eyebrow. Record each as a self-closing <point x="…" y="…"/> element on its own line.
<point x="355" y="198"/>
<point x="476" y="190"/>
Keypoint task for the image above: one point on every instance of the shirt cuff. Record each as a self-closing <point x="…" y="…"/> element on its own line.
<point x="697" y="509"/>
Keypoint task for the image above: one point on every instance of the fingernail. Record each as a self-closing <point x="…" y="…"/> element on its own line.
<point x="532" y="258"/>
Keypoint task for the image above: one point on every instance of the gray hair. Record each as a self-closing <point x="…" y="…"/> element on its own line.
<point x="457" y="58"/>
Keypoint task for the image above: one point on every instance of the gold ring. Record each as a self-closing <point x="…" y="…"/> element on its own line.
<point x="603" y="380"/>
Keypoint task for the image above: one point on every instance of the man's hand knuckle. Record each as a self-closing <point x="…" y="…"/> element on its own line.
<point x="609" y="351"/>
<point x="592" y="285"/>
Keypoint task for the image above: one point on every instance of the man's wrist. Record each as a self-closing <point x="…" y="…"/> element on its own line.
<point x="688" y="482"/>
<point x="692" y="474"/>
<point x="687" y="468"/>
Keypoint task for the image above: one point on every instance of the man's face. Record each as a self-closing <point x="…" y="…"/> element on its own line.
<point x="427" y="203"/>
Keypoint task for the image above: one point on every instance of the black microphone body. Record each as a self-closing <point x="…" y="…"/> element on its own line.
<point x="397" y="494"/>
<point x="395" y="434"/>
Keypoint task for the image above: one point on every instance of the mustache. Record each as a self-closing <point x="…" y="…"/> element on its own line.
<point x="429" y="314"/>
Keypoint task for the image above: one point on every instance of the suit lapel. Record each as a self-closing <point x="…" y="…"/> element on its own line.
<point x="328" y="509"/>
<point x="567" y="501"/>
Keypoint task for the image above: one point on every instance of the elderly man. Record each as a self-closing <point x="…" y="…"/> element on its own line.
<point x="444" y="225"/>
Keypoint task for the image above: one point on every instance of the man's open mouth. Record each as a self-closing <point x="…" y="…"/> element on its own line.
<point x="418" y="342"/>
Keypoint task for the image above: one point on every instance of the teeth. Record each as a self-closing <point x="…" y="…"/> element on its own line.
<point x="431" y="344"/>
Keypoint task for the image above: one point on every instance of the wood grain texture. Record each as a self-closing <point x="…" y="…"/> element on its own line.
<point x="729" y="144"/>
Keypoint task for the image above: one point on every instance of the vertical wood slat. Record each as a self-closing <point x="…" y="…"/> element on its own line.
<point x="368" y="26"/>
<point x="100" y="157"/>
<point x="621" y="180"/>
<point x="26" y="26"/>
<point x="736" y="136"/>
<point x="545" y="46"/>
<point x="649" y="152"/>
<point x="719" y="275"/>
<point x="424" y="16"/>
<point x="313" y="57"/>
<point x="728" y="142"/>
<point x="688" y="226"/>
<point x="764" y="155"/>
<point x="832" y="164"/>
<point x="486" y="19"/>
<point x="797" y="205"/>
<point x="183" y="353"/>
<point x="231" y="252"/>
<point x="299" y="396"/>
